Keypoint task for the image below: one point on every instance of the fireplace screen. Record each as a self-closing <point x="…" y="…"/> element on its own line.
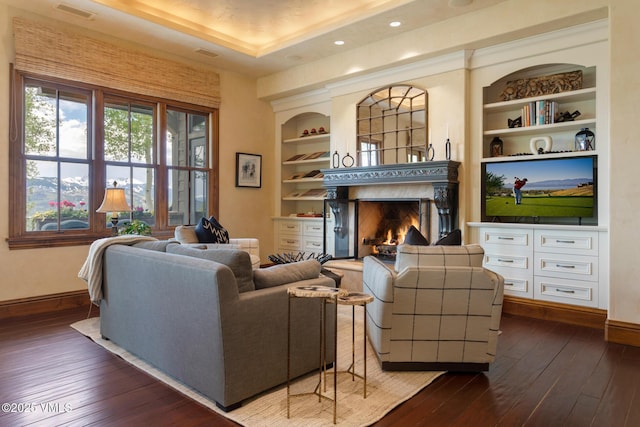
<point x="372" y="227"/>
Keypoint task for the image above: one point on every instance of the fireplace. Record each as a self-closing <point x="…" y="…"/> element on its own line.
<point x="382" y="224"/>
<point x="387" y="193"/>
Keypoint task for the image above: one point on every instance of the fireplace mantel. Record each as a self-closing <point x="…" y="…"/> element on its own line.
<point x="436" y="172"/>
<point x="443" y="175"/>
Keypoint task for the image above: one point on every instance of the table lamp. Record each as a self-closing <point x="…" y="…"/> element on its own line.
<point x="114" y="202"/>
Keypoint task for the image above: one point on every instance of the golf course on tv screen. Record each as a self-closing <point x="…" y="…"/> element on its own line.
<point x="560" y="187"/>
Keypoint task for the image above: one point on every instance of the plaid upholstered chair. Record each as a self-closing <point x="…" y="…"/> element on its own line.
<point x="436" y="309"/>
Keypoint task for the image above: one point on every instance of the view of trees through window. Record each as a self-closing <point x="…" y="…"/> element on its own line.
<point x="64" y="166"/>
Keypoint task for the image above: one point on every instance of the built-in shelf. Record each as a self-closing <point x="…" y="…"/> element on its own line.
<point x="538" y="129"/>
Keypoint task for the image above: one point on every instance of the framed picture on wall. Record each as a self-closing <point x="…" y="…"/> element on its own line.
<point x="248" y="170"/>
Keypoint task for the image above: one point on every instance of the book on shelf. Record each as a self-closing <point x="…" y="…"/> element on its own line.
<point x="295" y="157"/>
<point x="538" y="113"/>
<point x="315" y="192"/>
<point x="314" y="174"/>
<point x="297" y="175"/>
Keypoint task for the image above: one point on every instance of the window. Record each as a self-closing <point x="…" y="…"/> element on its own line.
<point x="72" y="140"/>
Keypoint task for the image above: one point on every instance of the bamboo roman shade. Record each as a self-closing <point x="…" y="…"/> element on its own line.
<point x="52" y="51"/>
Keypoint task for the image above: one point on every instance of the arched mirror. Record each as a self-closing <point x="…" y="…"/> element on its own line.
<point x="392" y="126"/>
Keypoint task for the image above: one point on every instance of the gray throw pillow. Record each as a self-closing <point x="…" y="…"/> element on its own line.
<point x="238" y="261"/>
<point x="452" y="239"/>
<point x="414" y="237"/>
<point x="286" y="273"/>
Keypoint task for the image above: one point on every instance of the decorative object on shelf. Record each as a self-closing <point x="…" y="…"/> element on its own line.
<point x="431" y="152"/>
<point x="348" y="161"/>
<point x="545" y="85"/>
<point x="496" y="147"/>
<point x="335" y="160"/>
<point x="313" y="131"/>
<point x="533" y="144"/>
<point x="114" y="201"/>
<point x="447" y="149"/>
<point x="321" y="130"/>
<point x="585" y="140"/>
<point x="305" y="132"/>
<point x="567" y="116"/>
<point x="515" y="123"/>
<point x="248" y="170"/>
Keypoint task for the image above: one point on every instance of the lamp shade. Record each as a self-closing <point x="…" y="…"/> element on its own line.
<point x="114" y="201"/>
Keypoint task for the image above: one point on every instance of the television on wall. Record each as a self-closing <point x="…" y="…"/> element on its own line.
<point x="561" y="188"/>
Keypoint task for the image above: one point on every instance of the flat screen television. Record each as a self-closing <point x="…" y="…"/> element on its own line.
<point x="549" y="188"/>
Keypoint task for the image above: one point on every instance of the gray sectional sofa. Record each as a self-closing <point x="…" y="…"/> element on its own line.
<point x="185" y="314"/>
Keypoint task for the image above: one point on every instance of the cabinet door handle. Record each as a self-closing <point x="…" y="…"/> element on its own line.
<point x="504" y="238"/>
<point x="291" y="241"/>
<point x="565" y="291"/>
<point x="291" y="226"/>
<point x="565" y="266"/>
<point x="316" y="228"/>
<point x="570" y="242"/>
<point x="505" y="260"/>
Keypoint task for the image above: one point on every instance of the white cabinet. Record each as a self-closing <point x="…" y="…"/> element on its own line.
<point x="299" y="234"/>
<point x="510" y="253"/>
<point x="559" y="264"/>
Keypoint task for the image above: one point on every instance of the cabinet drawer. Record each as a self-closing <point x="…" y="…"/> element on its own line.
<point x="497" y="236"/>
<point x="574" y="242"/>
<point x="566" y="291"/>
<point x="289" y="227"/>
<point x="509" y="261"/>
<point x="518" y="287"/>
<point x="567" y="266"/>
<point x="312" y="229"/>
<point x="313" y="245"/>
<point x="290" y="242"/>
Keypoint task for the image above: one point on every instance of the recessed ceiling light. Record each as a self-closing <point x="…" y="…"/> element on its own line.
<point x="395" y="24"/>
<point x="338" y="42"/>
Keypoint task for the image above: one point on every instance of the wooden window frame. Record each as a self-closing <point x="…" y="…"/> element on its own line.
<point x="19" y="238"/>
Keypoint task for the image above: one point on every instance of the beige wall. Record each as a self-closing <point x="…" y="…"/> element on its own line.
<point x="625" y="152"/>
<point x="246" y="125"/>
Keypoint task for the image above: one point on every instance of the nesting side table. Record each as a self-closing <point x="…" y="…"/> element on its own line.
<point x="353" y="299"/>
<point x="325" y="294"/>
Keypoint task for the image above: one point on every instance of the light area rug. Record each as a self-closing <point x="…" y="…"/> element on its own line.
<point x="385" y="389"/>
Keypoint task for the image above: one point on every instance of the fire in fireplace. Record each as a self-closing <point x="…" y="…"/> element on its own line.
<point x="382" y="224"/>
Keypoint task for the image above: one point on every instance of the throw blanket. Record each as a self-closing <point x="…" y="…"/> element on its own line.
<point x="91" y="270"/>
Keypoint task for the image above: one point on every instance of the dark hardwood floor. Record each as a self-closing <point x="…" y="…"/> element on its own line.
<point x="545" y="374"/>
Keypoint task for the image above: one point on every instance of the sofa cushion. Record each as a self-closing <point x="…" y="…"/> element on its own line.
<point x="414" y="237"/>
<point x="210" y="231"/>
<point x="186" y="234"/>
<point x="157" y="245"/>
<point x="452" y="239"/>
<point x="286" y="273"/>
<point x="238" y="261"/>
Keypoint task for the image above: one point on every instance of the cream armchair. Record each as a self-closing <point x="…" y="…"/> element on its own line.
<point x="436" y="309"/>
<point x="186" y="235"/>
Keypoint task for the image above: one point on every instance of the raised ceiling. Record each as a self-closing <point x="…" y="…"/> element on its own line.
<point x="255" y="37"/>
